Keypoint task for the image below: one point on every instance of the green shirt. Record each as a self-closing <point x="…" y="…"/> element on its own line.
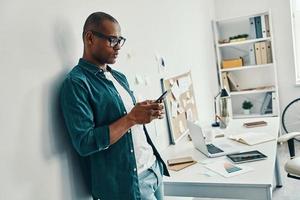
<point x="90" y="103"/>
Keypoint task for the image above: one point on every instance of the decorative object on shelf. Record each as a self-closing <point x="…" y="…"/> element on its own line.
<point x="238" y="38"/>
<point x="247" y="105"/>
<point x="231" y="63"/>
<point x="223" y="118"/>
<point x="224" y="41"/>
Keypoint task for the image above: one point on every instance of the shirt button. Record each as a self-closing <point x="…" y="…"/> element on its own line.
<point x="134" y="169"/>
<point x="124" y="112"/>
<point x="131" y="150"/>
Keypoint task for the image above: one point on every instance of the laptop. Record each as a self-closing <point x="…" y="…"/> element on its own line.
<point x="215" y="149"/>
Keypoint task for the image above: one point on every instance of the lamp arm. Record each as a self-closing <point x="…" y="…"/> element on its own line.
<point x="215" y="105"/>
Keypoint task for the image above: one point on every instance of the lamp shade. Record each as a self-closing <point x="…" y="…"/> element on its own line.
<point x="224" y="93"/>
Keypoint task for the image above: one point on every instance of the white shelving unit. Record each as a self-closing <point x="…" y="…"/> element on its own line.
<point x="256" y="81"/>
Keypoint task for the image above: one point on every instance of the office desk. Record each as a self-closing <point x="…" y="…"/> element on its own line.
<point x="194" y="181"/>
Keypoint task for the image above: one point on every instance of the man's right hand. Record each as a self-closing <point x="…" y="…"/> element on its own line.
<point x="144" y="112"/>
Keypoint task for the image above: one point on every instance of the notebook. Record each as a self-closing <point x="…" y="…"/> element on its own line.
<point x="252" y="138"/>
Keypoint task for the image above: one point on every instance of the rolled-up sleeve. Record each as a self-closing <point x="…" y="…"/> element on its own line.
<point x="78" y="115"/>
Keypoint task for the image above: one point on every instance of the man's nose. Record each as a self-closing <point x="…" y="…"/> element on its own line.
<point x="117" y="47"/>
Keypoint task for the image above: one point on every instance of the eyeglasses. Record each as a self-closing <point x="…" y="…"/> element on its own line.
<point x="113" y="40"/>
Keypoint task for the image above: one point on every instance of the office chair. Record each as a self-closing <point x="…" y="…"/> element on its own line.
<point x="292" y="167"/>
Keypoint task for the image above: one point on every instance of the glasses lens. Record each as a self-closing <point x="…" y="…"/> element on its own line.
<point x="122" y="41"/>
<point x="115" y="41"/>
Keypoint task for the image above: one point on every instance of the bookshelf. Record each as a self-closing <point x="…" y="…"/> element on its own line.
<point x="246" y="63"/>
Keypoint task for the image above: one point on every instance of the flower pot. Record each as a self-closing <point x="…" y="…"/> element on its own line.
<point x="246" y="111"/>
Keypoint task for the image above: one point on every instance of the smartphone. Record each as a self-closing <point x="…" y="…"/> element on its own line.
<point x="162" y="97"/>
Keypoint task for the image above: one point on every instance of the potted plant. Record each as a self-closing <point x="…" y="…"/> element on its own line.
<point x="247" y="105"/>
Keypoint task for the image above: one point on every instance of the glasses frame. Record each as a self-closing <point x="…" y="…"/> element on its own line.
<point x="112" y="39"/>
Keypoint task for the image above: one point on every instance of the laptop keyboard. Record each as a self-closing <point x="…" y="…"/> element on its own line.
<point x="212" y="149"/>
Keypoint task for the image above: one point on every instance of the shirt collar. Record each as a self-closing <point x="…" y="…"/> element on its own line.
<point x="92" y="67"/>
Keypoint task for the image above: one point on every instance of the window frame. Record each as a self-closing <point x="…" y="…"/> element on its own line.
<point x="296" y="48"/>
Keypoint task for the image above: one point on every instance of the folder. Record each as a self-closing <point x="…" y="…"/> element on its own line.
<point x="234" y="86"/>
<point x="258" y="27"/>
<point x="266" y="106"/>
<point x="252" y="60"/>
<point x="269" y="52"/>
<point x="258" y="53"/>
<point x="252" y="31"/>
<point x="263" y="51"/>
<point x="274" y="104"/>
<point x="267" y="23"/>
<point x="263" y="26"/>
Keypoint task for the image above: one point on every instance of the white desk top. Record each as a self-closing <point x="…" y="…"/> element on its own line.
<point x="262" y="174"/>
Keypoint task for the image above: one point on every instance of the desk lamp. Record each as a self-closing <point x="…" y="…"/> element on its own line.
<point x="223" y="94"/>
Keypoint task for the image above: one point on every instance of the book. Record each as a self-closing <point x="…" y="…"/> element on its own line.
<point x="252" y="31"/>
<point x="231" y="63"/>
<point x="233" y="85"/>
<point x="255" y="124"/>
<point x="179" y="167"/>
<point x="252" y="138"/>
<point x="263" y="51"/>
<point x="269" y="52"/>
<point x="177" y="164"/>
<point x="258" y="27"/>
<point x="182" y="160"/>
<point x="258" y="53"/>
<point x="225" y="81"/>
<point x="252" y="59"/>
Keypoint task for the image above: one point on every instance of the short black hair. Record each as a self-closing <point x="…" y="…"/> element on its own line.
<point x="95" y="19"/>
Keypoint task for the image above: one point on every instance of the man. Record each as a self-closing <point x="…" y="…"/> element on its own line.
<point x="106" y="124"/>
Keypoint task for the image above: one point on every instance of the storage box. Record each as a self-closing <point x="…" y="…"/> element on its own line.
<point x="231" y="63"/>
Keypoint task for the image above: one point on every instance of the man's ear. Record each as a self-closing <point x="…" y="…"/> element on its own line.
<point x="88" y="37"/>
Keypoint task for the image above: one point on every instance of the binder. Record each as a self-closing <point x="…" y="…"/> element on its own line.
<point x="263" y="26"/>
<point x="269" y="52"/>
<point x="252" y="59"/>
<point x="234" y="86"/>
<point x="274" y="104"/>
<point x="225" y="81"/>
<point x="258" y="53"/>
<point x="263" y="51"/>
<point x="252" y="31"/>
<point x="267" y="23"/>
<point x="266" y="106"/>
<point x="258" y="27"/>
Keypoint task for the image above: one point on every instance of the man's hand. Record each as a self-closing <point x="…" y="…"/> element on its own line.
<point x="144" y="112"/>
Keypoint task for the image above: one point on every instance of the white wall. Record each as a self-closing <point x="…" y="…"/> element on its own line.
<point x="282" y="37"/>
<point x="41" y="41"/>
